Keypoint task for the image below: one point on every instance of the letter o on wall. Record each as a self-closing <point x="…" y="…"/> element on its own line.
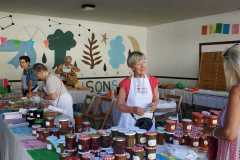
<point x="98" y="86"/>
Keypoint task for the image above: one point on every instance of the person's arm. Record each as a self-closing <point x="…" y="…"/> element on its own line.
<point x="75" y="69"/>
<point x="59" y="70"/>
<point x="232" y="119"/>
<point x="30" y="88"/>
<point x="155" y="98"/>
<point x="122" y="106"/>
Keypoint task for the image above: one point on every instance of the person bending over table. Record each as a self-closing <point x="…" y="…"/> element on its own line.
<point x="29" y="79"/>
<point x="56" y="92"/>
<point x="137" y="92"/>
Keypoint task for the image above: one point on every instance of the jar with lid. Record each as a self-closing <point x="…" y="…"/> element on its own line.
<point x="186" y="139"/>
<point x="151" y="139"/>
<point x="119" y="145"/>
<point x="170" y="126"/>
<point x="64" y="123"/>
<point x="78" y="118"/>
<point x="138" y="153"/>
<point x="140" y="137"/>
<point x="160" y="135"/>
<point x="203" y="142"/>
<point x="95" y="141"/>
<point x="151" y="153"/>
<point x="34" y="129"/>
<point x="84" y="143"/>
<point x="168" y="137"/>
<point x="39" y="134"/>
<point x="198" y="118"/>
<point x="121" y="156"/>
<point x="106" y="139"/>
<point x="177" y="139"/>
<point x="86" y="126"/>
<point x="70" y="140"/>
<point x="187" y="125"/>
<point x="130" y="138"/>
<point x="114" y="131"/>
<point x="108" y="157"/>
<point x="194" y="140"/>
<point x="49" y="122"/>
<point x="212" y="121"/>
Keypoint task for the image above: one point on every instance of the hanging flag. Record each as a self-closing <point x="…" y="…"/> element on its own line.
<point x="45" y="42"/>
<point x="3" y="40"/>
<point x="235" y="28"/>
<point x="212" y="28"/>
<point x="219" y="27"/>
<point x="204" y="29"/>
<point x="226" y="28"/>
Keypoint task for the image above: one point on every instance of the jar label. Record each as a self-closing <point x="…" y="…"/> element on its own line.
<point x="205" y="142"/>
<point x="136" y="158"/>
<point x="175" y="141"/>
<point x="143" y="140"/>
<point x="49" y="146"/>
<point x="189" y="127"/>
<point x="214" y="122"/>
<point x="79" y="147"/>
<point x="37" y="135"/>
<point x="183" y="140"/>
<point x="31" y="114"/>
<point x="152" y="156"/>
<point x="152" y="142"/>
<point x="60" y="126"/>
<point x="34" y="132"/>
<point x="172" y="127"/>
<point x="47" y="123"/>
<point x="195" y="144"/>
<point x="38" y="115"/>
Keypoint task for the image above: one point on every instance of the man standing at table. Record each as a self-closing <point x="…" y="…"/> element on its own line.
<point x="29" y="79"/>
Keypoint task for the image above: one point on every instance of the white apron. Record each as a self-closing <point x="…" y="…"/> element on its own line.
<point x="140" y="95"/>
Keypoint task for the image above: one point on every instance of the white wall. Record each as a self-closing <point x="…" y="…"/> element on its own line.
<point x="26" y="25"/>
<point x="173" y="48"/>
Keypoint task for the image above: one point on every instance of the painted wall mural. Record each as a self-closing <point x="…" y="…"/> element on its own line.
<point x="19" y="48"/>
<point x="91" y="55"/>
<point x="60" y="42"/>
<point x="117" y="52"/>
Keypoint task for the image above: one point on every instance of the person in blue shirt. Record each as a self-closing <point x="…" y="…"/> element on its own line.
<point x="29" y="79"/>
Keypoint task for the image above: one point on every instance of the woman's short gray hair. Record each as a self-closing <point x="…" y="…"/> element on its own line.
<point x="134" y="57"/>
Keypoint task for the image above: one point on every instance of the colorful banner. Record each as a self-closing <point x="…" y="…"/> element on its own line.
<point x="220" y="28"/>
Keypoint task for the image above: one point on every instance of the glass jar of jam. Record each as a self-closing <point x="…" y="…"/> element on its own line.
<point x="64" y="123"/>
<point x="84" y="142"/>
<point x="49" y="122"/>
<point x="86" y="126"/>
<point x="186" y="139"/>
<point x="212" y="121"/>
<point x="119" y="145"/>
<point x="121" y="156"/>
<point x="177" y="139"/>
<point x="70" y="140"/>
<point x="203" y="142"/>
<point x="194" y="140"/>
<point x="106" y="139"/>
<point x="151" y="139"/>
<point x="198" y="118"/>
<point x="114" y="131"/>
<point x="34" y="129"/>
<point x="39" y="134"/>
<point x="138" y="153"/>
<point x="160" y="135"/>
<point x="95" y="141"/>
<point x="140" y="137"/>
<point x="78" y="119"/>
<point x="130" y="138"/>
<point x="187" y="125"/>
<point x="168" y="137"/>
<point x="108" y="157"/>
<point x="151" y="153"/>
<point x="170" y="126"/>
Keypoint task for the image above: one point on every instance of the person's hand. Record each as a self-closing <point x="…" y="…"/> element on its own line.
<point x="154" y="106"/>
<point x="29" y="95"/>
<point x="138" y="110"/>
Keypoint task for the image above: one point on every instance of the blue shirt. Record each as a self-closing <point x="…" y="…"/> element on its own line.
<point x="30" y="75"/>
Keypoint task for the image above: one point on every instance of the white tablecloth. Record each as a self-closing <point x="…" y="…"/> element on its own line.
<point x="78" y="95"/>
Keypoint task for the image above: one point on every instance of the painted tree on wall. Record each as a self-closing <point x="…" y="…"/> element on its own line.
<point x="60" y="42"/>
<point x="91" y="56"/>
<point x="116" y="52"/>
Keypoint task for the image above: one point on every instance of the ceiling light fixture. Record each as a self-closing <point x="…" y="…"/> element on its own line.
<point x="88" y="7"/>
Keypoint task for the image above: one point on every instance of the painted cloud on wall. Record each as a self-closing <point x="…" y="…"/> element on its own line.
<point x="116" y="52"/>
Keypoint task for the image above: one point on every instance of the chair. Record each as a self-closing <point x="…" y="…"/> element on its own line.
<point x="95" y="113"/>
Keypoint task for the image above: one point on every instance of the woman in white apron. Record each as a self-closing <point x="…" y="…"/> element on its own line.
<point x="138" y="96"/>
<point x="57" y="95"/>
